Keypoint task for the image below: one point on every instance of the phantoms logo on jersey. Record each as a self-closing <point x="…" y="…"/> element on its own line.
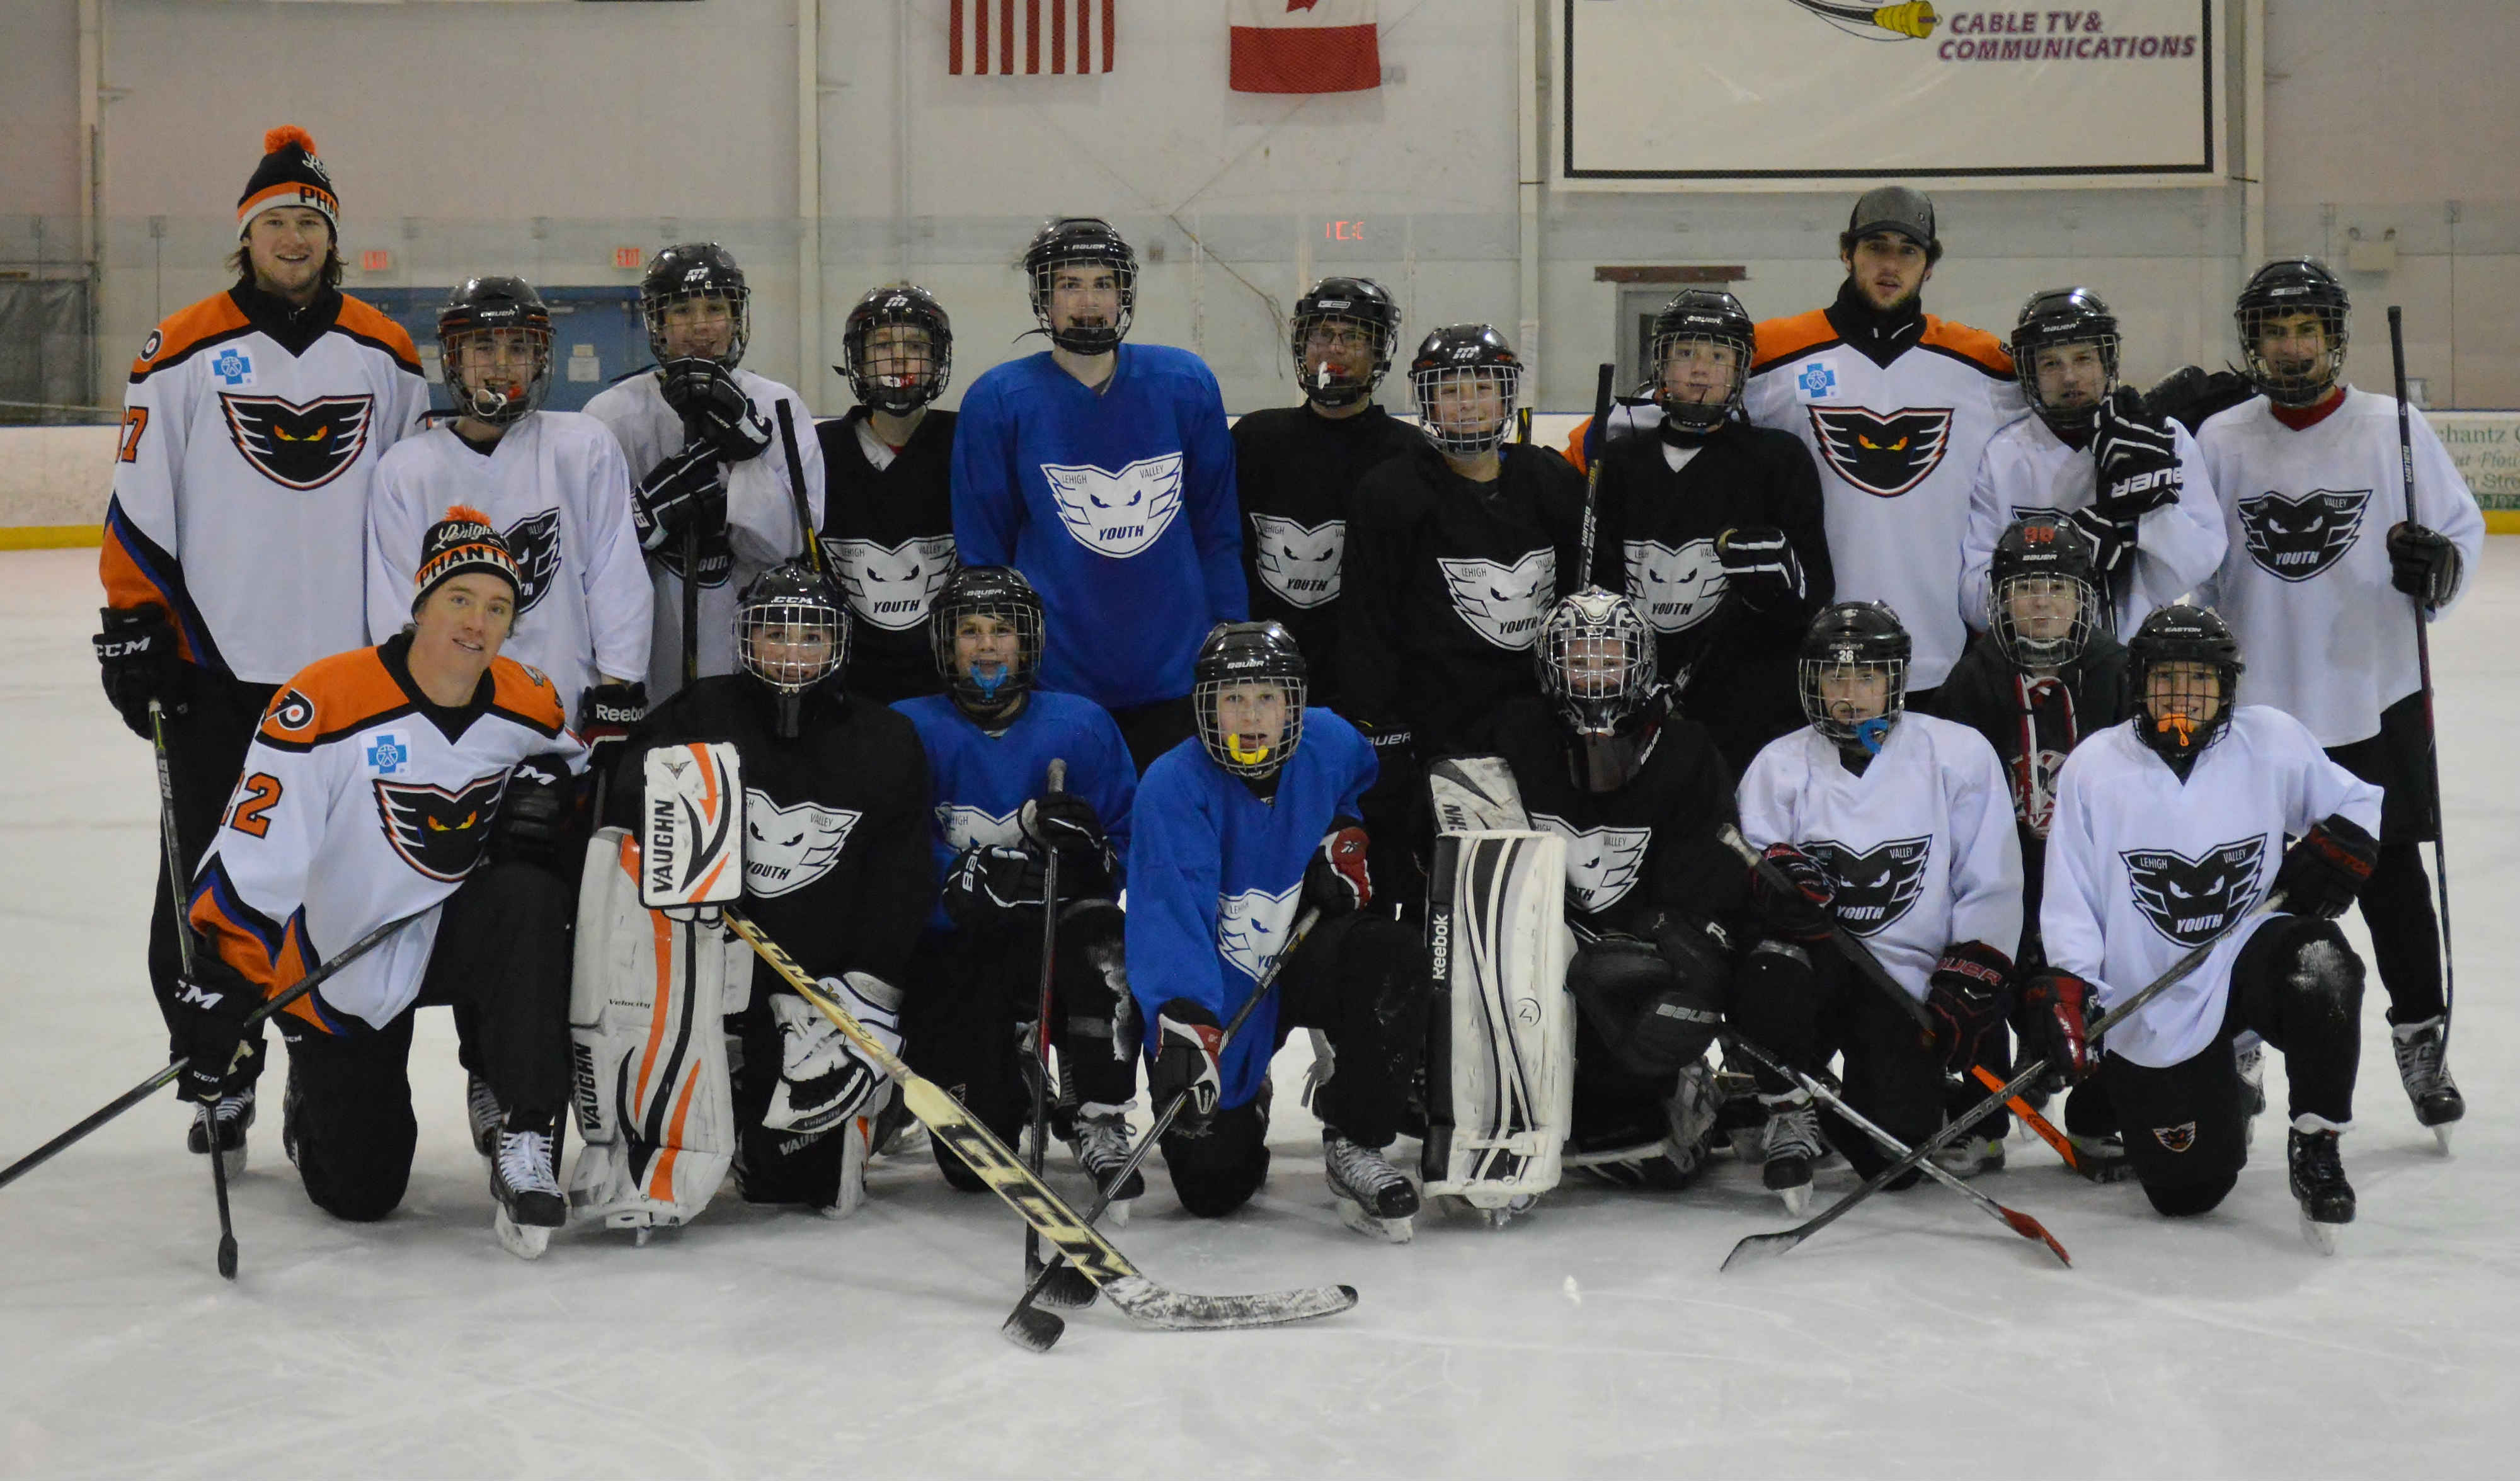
<point x="1121" y="514"/>
<point x="2296" y="539"/>
<point x="534" y="541"/>
<point x="1301" y="562"/>
<point x="787" y="848"/>
<point x="1251" y="927"/>
<point x="1679" y="587"/>
<point x="891" y="585"/>
<point x="1602" y="863"/>
<point x="1504" y="604"/>
<point x="1883" y="453"/>
<point x="440" y="832"/>
<point x="299" y="446"/>
<point x="2189" y="901"/>
<point x="964" y="826"/>
<point x="1877" y="885"/>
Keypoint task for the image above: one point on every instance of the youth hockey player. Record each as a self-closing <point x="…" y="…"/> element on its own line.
<point x="1102" y="472"/>
<point x="990" y="739"/>
<point x="426" y="774"/>
<point x="1234" y="836"/>
<point x="700" y="436"/>
<point x="254" y="423"/>
<point x="1894" y="826"/>
<point x="2304" y="471"/>
<point x="888" y="510"/>
<point x="2133" y="483"/>
<point x="2167" y="831"/>
<point x="1896" y="406"/>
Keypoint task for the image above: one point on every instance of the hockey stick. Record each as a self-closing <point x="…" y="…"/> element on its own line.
<point x="814" y="554"/>
<point x="1074" y="1290"/>
<point x="1037" y="1330"/>
<point x="1140" y="1298"/>
<point x="2018" y="1222"/>
<point x="176" y="875"/>
<point x="2424" y="670"/>
<point x="2031" y="1118"/>
<point x="1758" y="1246"/>
<point x="1601" y="395"/>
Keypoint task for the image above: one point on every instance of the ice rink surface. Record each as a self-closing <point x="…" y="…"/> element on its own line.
<point x="1916" y="1338"/>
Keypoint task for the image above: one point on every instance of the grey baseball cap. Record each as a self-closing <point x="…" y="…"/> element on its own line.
<point x="1894" y="208"/>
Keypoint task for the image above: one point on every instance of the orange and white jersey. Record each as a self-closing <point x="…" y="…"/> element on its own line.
<point x="240" y="484"/>
<point x="363" y="802"/>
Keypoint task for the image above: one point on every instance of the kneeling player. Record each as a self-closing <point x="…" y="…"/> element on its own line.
<point x="2164" y="828"/>
<point x="1235" y="836"/>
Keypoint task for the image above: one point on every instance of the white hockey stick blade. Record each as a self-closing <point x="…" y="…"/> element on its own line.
<point x="691" y="834"/>
<point x="1151" y="1305"/>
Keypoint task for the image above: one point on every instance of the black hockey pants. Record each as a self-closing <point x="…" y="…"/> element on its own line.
<point x="206" y="748"/>
<point x="1805" y="1006"/>
<point x="2398" y="903"/>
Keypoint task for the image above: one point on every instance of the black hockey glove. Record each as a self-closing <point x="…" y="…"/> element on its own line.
<point x="1066" y="822"/>
<point x="605" y="714"/>
<point x="2326" y="868"/>
<point x="535" y="813"/>
<point x="1761" y="566"/>
<point x="211" y="1009"/>
<point x="2137" y="457"/>
<point x="991" y="887"/>
<point x="2057" y="1012"/>
<point x="1337" y="880"/>
<point x="2112" y="539"/>
<point x="1187" y="1042"/>
<point x="2422" y="563"/>
<point x="706" y="396"/>
<point x="2189" y="396"/>
<point x="137" y="653"/>
<point x="1800" y="911"/>
<point x="681" y="490"/>
<point x="1969" y="992"/>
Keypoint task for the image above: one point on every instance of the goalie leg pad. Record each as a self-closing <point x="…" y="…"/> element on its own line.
<point x="1500" y="1081"/>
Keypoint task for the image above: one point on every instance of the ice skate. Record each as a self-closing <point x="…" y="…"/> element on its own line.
<point x="1971" y="1156"/>
<point x="1373" y="1199"/>
<point x="1101" y="1144"/>
<point x="233" y="1117"/>
<point x="1793" y="1147"/>
<point x="2319" y="1182"/>
<point x="2424" y="1071"/>
<point x="2100" y="1158"/>
<point x="527" y="1192"/>
<point x="481" y="1108"/>
<point x="857" y="1144"/>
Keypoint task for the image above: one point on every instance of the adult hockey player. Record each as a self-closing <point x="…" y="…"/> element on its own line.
<point x="2168" y="831"/>
<point x="1896" y="406"/>
<point x="888" y="507"/>
<point x="990" y="739"/>
<point x="234" y="538"/>
<point x="2133" y="483"/>
<point x="1236" y="834"/>
<point x="2323" y="560"/>
<point x="1714" y="526"/>
<point x="1102" y="470"/>
<point x="700" y="436"/>
<point x="428" y="774"/>
<point x="1894" y="826"/>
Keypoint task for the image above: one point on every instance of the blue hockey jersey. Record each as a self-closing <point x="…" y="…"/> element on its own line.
<point x="1117" y="505"/>
<point x="1219" y="881"/>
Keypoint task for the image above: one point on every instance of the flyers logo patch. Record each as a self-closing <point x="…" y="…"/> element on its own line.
<point x="1678" y="588"/>
<point x="891" y="585"/>
<point x="299" y="446"/>
<point x="1876" y="887"/>
<point x="290" y="711"/>
<point x="1118" y="513"/>
<point x="2176" y="1139"/>
<point x="439" y="833"/>
<point x="964" y="826"/>
<point x="1882" y="453"/>
<point x="1251" y="927"/>
<point x="787" y="848"/>
<point x="1301" y="562"/>
<point x="1504" y="604"/>
<point x="1602" y="863"/>
<point x="2189" y="901"/>
<point x="2296" y="539"/>
<point x="534" y="541"/>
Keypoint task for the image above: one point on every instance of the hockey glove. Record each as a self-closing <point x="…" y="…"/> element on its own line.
<point x="1799" y="910"/>
<point x="2326" y="868"/>
<point x="536" y="813"/>
<point x="2137" y="457"/>
<point x="605" y="714"/>
<point x="2189" y="396"/>
<point x="715" y="409"/>
<point x="681" y="490"/>
<point x="137" y="653"/>
<point x="1187" y="1042"/>
<point x="825" y="1076"/>
<point x="1066" y="822"/>
<point x="1761" y="566"/>
<point x="1337" y="880"/>
<point x="211" y="1009"/>
<point x="2112" y="540"/>
<point x="2058" y="1009"/>
<point x="2422" y="563"/>
<point x="1968" y="994"/>
<point x="991" y="886"/>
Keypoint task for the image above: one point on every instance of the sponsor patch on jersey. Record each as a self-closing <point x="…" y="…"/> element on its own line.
<point x="1251" y="927"/>
<point x="1877" y="885"/>
<point x="1883" y="453"/>
<point x="440" y="832"/>
<point x="964" y="826"/>
<point x="1602" y="863"/>
<point x="1301" y="562"/>
<point x="1816" y="381"/>
<point x="388" y="754"/>
<point x="2189" y="901"/>
<point x="234" y="368"/>
<point x="1504" y="604"/>
<point x="787" y="848"/>
<point x="2296" y="539"/>
<point x="1678" y="588"/>
<point x="291" y="711"/>
<point x="891" y="585"/>
<point x="2176" y="1139"/>
<point x="298" y="446"/>
<point x="1117" y="513"/>
<point x="534" y="541"/>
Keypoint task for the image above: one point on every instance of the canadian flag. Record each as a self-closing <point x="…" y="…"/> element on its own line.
<point x="1304" y="46"/>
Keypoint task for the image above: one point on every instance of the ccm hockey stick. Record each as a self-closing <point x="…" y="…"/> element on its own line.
<point x="1602" y="402"/>
<point x="815" y="555"/>
<point x="2424" y="670"/>
<point x="176" y="874"/>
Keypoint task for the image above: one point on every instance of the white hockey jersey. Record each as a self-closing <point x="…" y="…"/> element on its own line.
<point x="2305" y="583"/>
<point x="558" y="490"/>
<point x="760" y="514"/>
<point x="2142" y="868"/>
<point x="362" y="803"/>
<point x="241" y="485"/>
<point x="2027" y="469"/>
<point x="1897" y="448"/>
<point x="1923" y="845"/>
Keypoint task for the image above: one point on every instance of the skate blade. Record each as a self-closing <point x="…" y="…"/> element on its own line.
<point x="2441" y="1137"/>
<point x="1795" y="1200"/>
<point x="526" y="1241"/>
<point x="2320" y="1237"/>
<point x="1389" y="1230"/>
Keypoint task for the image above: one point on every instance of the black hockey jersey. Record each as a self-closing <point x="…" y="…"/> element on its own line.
<point x="889" y="534"/>
<point x="1295" y="473"/>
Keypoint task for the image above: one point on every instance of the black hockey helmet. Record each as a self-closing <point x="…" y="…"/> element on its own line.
<point x="1474" y="355"/>
<point x="1844" y="643"/>
<point x="689" y="271"/>
<point x="2041" y="561"/>
<point x="1000" y="592"/>
<point x="2054" y="319"/>
<point x="791" y="633"/>
<point x="1711" y="316"/>
<point x="488" y="306"/>
<point x="1238" y="654"/>
<point x="2293" y="286"/>
<point x="1337" y="304"/>
<point x="1093" y="241"/>
<point x="892" y="381"/>
<point x="2182" y="634"/>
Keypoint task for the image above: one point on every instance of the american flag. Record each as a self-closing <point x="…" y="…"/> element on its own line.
<point x="1020" y="38"/>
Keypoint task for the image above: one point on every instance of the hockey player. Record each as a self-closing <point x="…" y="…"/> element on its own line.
<point x="2304" y="471"/>
<point x="252" y="426"/>
<point x="425" y="775"/>
<point x="1714" y="526"/>
<point x="2167" y="831"/>
<point x="888" y="507"/>
<point x="1102" y="470"/>
<point x="990" y="739"/>
<point x="2133" y="483"/>
<point x="700" y="436"/>
<point x="1236" y="834"/>
<point x="1893" y="825"/>
<point x="1896" y="406"/>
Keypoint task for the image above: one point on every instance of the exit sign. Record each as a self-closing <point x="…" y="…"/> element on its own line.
<point x="1343" y="231"/>
<point x="628" y="256"/>
<point x="375" y="259"/>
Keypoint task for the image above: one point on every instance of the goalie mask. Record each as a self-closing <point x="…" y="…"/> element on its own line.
<point x="696" y="303"/>
<point x="494" y="341"/>
<point x="792" y="635"/>
<point x="985" y="629"/>
<point x="899" y="347"/>
<point x="1083" y="284"/>
<point x="1343" y="334"/>
<point x="2198" y="660"/>
<point x="2065" y="354"/>
<point x="1701" y="360"/>
<point x="2041" y="598"/>
<point x="1853" y="675"/>
<point x="2292" y="360"/>
<point x="1466" y="381"/>
<point x="1595" y="657"/>
<point x="1247" y="689"/>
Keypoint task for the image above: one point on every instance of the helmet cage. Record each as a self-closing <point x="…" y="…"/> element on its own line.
<point x="879" y="379"/>
<point x="1593" y="697"/>
<point x="789" y="620"/>
<point x="1016" y="608"/>
<point x="1251" y="763"/>
<point x="488" y="403"/>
